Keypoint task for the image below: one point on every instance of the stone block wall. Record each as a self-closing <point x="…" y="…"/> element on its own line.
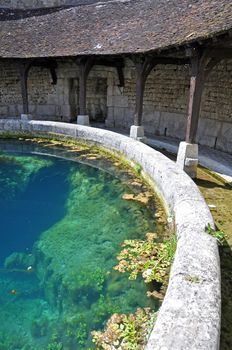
<point x="53" y="102"/>
<point x="165" y="100"/>
<point x="166" y="103"/>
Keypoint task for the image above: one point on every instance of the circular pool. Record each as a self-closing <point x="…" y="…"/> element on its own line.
<point x="62" y="224"/>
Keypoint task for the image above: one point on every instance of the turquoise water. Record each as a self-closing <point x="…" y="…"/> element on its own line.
<point x="62" y="223"/>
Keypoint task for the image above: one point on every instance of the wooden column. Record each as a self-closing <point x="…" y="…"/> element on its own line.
<point x="201" y="65"/>
<point x="85" y="66"/>
<point x="195" y="95"/>
<point x="24" y="68"/>
<point x="143" y="66"/>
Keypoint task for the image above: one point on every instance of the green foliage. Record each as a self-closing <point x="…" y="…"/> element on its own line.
<point x="219" y="235"/>
<point x="103" y="308"/>
<point x="10" y="342"/>
<point x="138" y="168"/>
<point x="76" y="332"/>
<point x="15" y="172"/>
<point x="85" y="281"/>
<point x="147" y="257"/>
<point x="127" y="332"/>
<point x="39" y="327"/>
<point x="55" y="344"/>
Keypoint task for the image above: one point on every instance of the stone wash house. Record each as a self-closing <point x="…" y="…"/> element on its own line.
<point x="165" y="65"/>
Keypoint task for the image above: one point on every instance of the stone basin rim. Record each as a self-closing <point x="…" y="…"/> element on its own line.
<point x="189" y="317"/>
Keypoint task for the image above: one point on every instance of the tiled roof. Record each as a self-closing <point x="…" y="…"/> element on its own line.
<point x="113" y="27"/>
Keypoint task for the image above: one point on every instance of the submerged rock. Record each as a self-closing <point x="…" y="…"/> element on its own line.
<point x="20" y="261"/>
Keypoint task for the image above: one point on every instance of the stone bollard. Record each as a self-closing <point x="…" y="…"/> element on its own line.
<point x="187" y="158"/>
<point x="137" y="133"/>
<point x="83" y="120"/>
<point x="26" y="117"/>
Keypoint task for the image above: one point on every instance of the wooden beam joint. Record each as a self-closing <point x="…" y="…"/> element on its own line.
<point x="143" y="65"/>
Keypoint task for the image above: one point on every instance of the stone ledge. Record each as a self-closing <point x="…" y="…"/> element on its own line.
<point x="189" y="317"/>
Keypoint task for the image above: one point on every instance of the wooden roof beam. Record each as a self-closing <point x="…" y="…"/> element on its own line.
<point x="220" y="52"/>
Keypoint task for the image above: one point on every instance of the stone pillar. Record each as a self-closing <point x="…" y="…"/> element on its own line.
<point x="187" y="158"/>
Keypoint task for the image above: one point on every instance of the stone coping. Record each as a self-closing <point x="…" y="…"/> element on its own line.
<point x="189" y="317"/>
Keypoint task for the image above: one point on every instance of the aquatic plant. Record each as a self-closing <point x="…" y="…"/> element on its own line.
<point x="74" y="258"/>
<point x="127" y="332"/>
<point x="147" y="257"/>
<point x="218" y="234"/>
<point x="16" y="171"/>
<point x="55" y="346"/>
<point x="84" y="281"/>
<point x="11" y="342"/>
<point x="137" y="168"/>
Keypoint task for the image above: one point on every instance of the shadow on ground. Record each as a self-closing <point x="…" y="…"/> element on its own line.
<point x="226" y="275"/>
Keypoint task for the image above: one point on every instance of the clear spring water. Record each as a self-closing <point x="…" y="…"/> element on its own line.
<point x="61" y="226"/>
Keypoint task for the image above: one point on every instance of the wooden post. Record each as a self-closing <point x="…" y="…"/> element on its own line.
<point x="24" y="70"/>
<point x="195" y="95"/>
<point x="85" y="66"/>
<point x="201" y="66"/>
<point x="143" y="66"/>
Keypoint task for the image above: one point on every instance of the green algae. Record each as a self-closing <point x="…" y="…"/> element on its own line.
<point x="20" y="169"/>
<point x="86" y="241"/>
<point x="81" y="289"/>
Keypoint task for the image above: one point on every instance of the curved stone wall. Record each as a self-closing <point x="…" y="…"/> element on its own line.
<point x="189" y="317"/>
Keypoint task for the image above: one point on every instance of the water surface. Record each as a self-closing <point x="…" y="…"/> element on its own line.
<point x="62" y="223"/>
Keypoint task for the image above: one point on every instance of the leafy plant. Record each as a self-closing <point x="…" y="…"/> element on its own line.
<point x="127" y="332"/>
<point x="138" y="168"/>
<point x="218" y="234"/>
<point x="147" y="257"/>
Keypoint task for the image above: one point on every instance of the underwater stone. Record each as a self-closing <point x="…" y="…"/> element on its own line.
<point x="19" y="261"/>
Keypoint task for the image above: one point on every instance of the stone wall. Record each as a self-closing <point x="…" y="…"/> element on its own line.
<point x="165" y="101"/>
<point x="54" y="102"/>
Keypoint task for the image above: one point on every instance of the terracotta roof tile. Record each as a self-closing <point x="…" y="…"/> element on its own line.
<point x="110" y="27"/>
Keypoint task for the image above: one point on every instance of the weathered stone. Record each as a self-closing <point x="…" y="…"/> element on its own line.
<point x="165" y="98"/>
<point x="189" y="317"/>
<point x="26" y="116"/>
<point x="187" y="158"/>
<point x="137" y="133"/>
<point x="83" y="120"/>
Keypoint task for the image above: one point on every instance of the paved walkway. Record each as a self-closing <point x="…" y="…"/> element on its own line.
<point x="217" y="161"/>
